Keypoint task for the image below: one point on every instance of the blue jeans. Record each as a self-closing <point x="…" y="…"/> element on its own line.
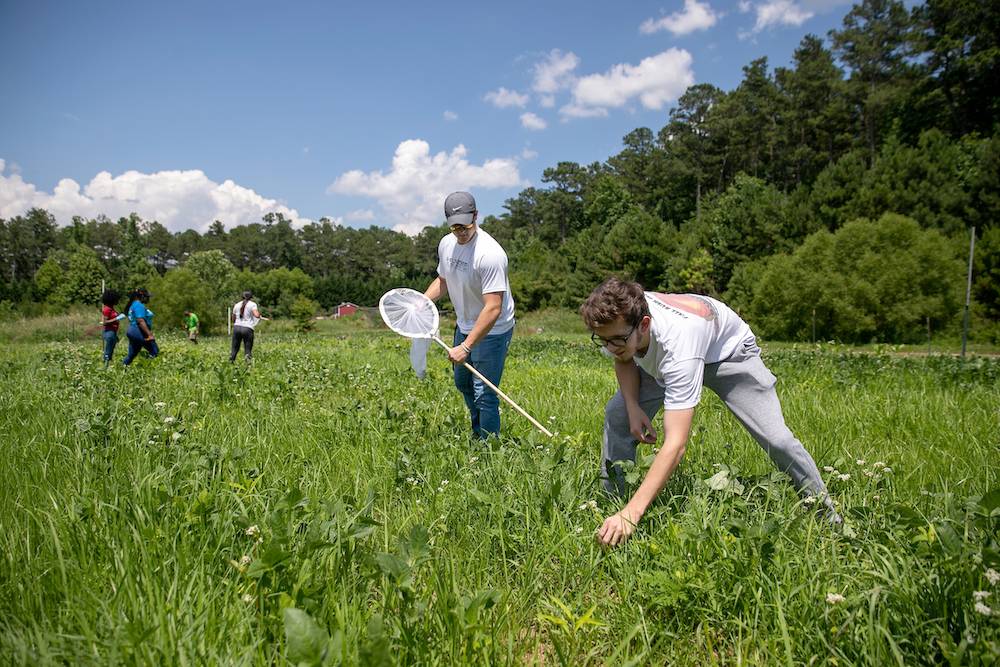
<point x="137" y="342"/>
<point x="110" y="340"/>
<point x="488" y="357"/>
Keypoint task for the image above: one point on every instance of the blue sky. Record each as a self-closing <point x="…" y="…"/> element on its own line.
<point x="366" y="113"/>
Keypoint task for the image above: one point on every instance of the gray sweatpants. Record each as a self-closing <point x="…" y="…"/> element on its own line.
<point x="746" y="386"/>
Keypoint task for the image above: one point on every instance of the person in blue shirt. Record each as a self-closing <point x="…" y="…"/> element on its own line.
<point x="140" y="330"/>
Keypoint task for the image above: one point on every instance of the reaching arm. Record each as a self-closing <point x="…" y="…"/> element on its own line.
<point x="676" y="428"/>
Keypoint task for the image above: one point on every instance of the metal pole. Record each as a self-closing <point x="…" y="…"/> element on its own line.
<point x="968" y="290"/>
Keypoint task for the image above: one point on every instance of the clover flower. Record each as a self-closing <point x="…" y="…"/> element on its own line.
<point x="248" y="597"/>
<point x="245" y="560"/>
<point x="175" y="435"/>
<point x="992" y="576"/>
<point x="809" y="500"/>
<point x="979" y="596"/>
<point x="829" y="469"/>
<point x="253" y="531"/>
<point x="982" y="609"/>
<point x="589" y="505"/>
<point x="834" y="598"/>
<point x="160" y="405"/>
<point x="843" y="477"/>
<point x="169" y="420"/>
<point x="860" y="462"/>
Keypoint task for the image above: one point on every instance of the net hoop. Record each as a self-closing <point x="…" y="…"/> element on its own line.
<point x="409" y="313"/>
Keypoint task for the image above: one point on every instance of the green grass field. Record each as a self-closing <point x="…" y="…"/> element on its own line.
<point x="326" y="507"/>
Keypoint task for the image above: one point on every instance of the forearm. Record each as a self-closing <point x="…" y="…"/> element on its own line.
<point x="436" y="289"/>
<point x="487" y="318"/>
<point x="676" y="429"/>
<point x="628" y="381"/>
<point x="141" y="323"/>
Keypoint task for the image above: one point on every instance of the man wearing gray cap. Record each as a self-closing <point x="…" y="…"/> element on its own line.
<point x="472" y="268"/>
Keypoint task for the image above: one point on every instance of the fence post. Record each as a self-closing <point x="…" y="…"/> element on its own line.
<point x="968" y="290"/>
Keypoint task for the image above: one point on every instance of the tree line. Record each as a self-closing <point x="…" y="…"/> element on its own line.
<point x="832" y="196"/>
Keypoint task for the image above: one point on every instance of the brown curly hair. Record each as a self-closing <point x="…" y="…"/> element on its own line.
<point x="612" y="299"/>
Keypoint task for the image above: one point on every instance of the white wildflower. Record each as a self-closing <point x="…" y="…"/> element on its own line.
<point x="175" y="436"/>
<point x="169" y="420"/>
<point x="253" y="531"/>
<point x="444" y="482"/>
<point x="992" y="576"/>
<point x="843" y="477"/>
<point x="809" y="500"/>
<point x="887" y="470"/>
<point x="869" y="473"/>
<point x="860" y="462"/>
<point x="979" y="596"/>
<point x="834" y="598"/>
<point x="982" y="609"/>
<point x="160" y="405"/>
<point x="879" y="464"/>
<point x="245" y="560"/>
<point x="473" y="459"/>
<point x="248" y="597"/>
<point x="829" y="469"/>
<point x="193" y="404"/>
<point x="589" y="505"/>
<point x="579" y="529"/>
<point x="876" y="497"/>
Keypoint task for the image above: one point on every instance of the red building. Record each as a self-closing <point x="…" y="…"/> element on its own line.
<point x="345" y="309"/>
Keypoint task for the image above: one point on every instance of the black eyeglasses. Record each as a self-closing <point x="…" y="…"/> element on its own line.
<point x="614" y="341"/>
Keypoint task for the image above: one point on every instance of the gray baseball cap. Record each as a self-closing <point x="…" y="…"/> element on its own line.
<point x="459" y="208"/>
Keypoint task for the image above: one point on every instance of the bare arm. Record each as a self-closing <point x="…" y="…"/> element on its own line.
<point x="676" y="427"/>
<point x="141" y="323"/>
<point x="436" y="289"/>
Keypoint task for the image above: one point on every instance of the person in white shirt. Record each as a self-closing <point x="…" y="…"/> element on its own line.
<point x="245" y="317"/>
<point x="666" y="347"/>
<point x="472" y="269"/>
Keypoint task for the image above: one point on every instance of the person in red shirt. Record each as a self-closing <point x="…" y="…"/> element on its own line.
<point x="110" y="318"/>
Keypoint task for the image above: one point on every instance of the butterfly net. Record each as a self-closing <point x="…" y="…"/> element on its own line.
<point x="409" y="313"/>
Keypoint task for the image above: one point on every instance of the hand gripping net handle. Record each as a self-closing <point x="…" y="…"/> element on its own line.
<point x="409" y="313"/>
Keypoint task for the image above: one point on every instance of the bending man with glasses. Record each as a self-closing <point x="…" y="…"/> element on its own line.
<point x="472" y="269"/>
<point x="666" y="347"/>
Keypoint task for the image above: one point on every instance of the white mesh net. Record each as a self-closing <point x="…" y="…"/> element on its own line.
<point x="409" y="313"/>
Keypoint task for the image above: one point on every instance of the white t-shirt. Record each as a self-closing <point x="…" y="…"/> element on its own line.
<point x="479" y="267"/>
<point x="248" y="320"/>
<point x="687" y="332"/>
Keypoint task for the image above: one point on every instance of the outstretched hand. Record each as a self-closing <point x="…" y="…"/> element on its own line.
<point x="617" y="528"/>
<point x="640" y="426"/>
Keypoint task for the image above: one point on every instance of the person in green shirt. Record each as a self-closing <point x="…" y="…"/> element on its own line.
<point x="191" y="324"/>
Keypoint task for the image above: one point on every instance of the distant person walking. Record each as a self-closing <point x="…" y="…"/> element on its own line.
<point x="244" y="317"/>
<point x="191" y="324"/>
<point x="140" y="331"/>
<point x="110" y="318"/>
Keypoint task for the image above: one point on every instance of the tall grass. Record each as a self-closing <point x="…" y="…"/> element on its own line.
<point x="325" y="506"/>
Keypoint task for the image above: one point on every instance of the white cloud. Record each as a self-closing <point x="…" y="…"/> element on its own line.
<point x="778" y="13"/>
<point x="533" y="122"/>
<point x="450" y="115"/>
<point x="178" y="200"/>
<point x="553" y="74"/>
<point x="412" y="192"/>
<point x="360" y="214"/>
<point x="654" y="81"/>
<point x="503" y="98"/>
<point x="528" y="154"/>
<point x="696" y="16"/>
<point x="547" y="101"/>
